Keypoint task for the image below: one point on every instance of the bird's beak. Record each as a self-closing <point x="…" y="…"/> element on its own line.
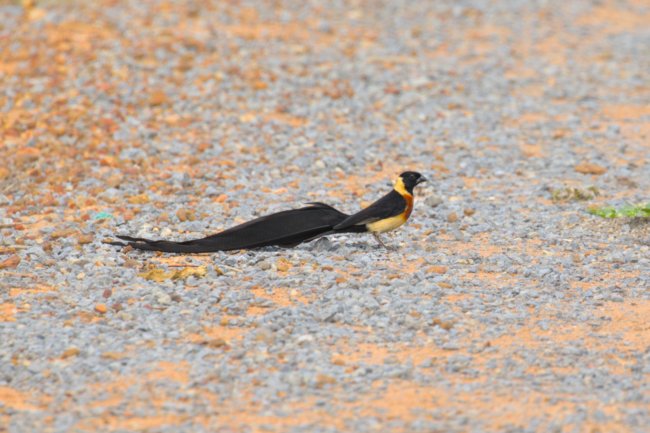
<point x="420" y="180"/>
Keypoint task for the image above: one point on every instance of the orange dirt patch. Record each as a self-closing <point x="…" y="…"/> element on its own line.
<point x="611" y="19"/>
<point x="175" y="371"/>
<point x="14" y="399"/>
<point x="280" y="296"/>
<point x="31" y="291"/>
<point x="285" y="118"/>
<point x="532" y="150"/>
<point x="404" y="265"/>
<point x="216" y="333"/>
<point x="247" y="415"/>
<point x="129" y="423"/>
<point x="480" y="244"/>
<point x="375" y="353"/>
<point x="532" y="336"/>
<point x="629" y="321"/>
<point x="8" y="312"/>
<point x="401" y="400"/>
<point x="637" y="132"/>
<point x="605" y="278"/>
<point x="626" y="112"/>
<point x="498" y="279"/>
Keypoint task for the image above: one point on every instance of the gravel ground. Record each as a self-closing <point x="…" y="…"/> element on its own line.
<point x="507" y="307"/>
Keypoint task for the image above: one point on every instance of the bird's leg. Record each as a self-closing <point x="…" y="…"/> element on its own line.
<point x="376" y="235"/>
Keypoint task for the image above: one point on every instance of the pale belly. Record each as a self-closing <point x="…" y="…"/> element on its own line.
<point x="387" y="224"/>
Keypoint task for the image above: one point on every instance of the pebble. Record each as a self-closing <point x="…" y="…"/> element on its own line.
<point x="163" y="299"/>
<point x="433" y="201"/>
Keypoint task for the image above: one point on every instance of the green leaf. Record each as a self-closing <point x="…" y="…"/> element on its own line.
<point x="632" y="211"/>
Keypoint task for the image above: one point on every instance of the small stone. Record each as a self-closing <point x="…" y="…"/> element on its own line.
<point x="215" y="343"/>
<point x="101" y="308"/>
<point x="26" y="154"/>
<point x="218" y="271"/>
<point x="437" y="269"/>
<point x="442" y="324"/>
<point x="452" y="217"/>
<point x="323" y="380"/>
<point x="469" y="212"/>
<point x="303" y="339"/>
<point x="83" y="239"/>
<point x="283" y="265"/>
<point x="63" y="233"/>
<point x="107" y="293"/>
<point x="338" y="359"/>
<point x="130" y="263"/>
<point x="70" y="352"/>
<point x="123" y="315"/>
<point x="185" y="215"/>
<point x="114" y="356"/>
<point x="259" y="85"/>
<point x="164" y="299"/>
<point x="590" y="168"/>
<point x="450" y="346"/>
<point x="433" y="201"/>
<point x="138" y="199"/>
<point x="265" y="336"/>
<point x="113" y="181"/>
<point x="10" y="262"/>
<point x="192" y="271"/>
<point x="157" y="98"/>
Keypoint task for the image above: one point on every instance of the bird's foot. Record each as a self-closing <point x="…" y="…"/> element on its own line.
<point x="389" y="248"/>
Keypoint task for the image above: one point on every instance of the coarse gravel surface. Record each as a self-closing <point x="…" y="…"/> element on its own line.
<point x="507" y="307"/>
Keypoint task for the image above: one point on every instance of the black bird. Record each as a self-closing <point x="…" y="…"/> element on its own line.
<point x="292" y="227"/>
<point x="387" y="213"/>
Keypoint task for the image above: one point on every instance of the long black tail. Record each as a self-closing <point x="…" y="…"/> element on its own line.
<point x="285" y="229"/>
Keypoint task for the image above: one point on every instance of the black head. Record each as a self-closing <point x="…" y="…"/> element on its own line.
<point x="411" y="179"/>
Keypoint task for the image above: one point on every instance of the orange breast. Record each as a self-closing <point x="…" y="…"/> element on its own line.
<point x="409" y="206"/>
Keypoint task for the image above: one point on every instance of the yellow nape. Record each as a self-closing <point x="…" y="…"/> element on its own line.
<point x="399" y="187"/>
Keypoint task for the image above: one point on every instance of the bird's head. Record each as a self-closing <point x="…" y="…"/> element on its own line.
<point x="408" y="180"/>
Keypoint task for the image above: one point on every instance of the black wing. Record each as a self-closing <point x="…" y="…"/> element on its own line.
<point x="390" y="205"/>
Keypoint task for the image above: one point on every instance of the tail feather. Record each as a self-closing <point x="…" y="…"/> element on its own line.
<point x="286" y="228"/>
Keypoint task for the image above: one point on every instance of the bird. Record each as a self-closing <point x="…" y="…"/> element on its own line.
<point x="294" y="226"/>
<point x="387" y="213"/>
